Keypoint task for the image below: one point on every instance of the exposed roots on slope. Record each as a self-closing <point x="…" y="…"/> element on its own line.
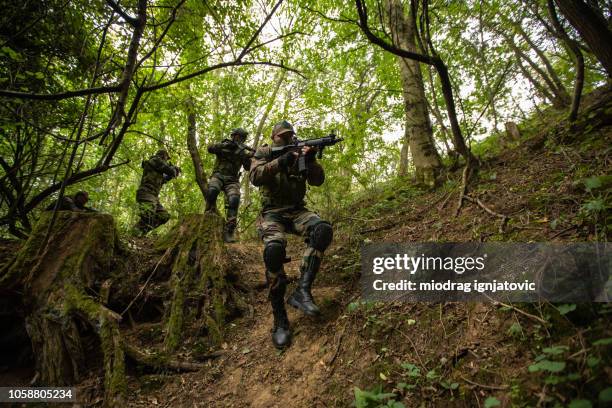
<point x="57" y="282"/>
<point x="70" y="286"/>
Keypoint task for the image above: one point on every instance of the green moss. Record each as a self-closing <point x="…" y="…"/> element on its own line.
<point x="115" y="383"/>
<point x="78" y="250"/>
<point x="198" y="271"/>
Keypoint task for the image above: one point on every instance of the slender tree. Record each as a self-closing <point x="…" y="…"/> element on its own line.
<point x="418" y="132"/>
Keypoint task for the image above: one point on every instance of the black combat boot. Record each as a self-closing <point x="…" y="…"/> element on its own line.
<point x="228" y="231"/>
<point x="211" y="206"/>
<point x="281" y="333"/>
<point x="211" y="200"/>
<point x="301" y="298"/>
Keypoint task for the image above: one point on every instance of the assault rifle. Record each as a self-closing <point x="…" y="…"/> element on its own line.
<point x="297" y="145"/>
<point x="239" y="146"/>
<point x="177" y="172"/>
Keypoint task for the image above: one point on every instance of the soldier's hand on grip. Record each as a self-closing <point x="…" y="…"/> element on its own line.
<point x="287" y="160"/>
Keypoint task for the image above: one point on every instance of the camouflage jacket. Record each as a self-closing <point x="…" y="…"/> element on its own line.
<point x="68" y="203"/>
<point x="156" y="172"/>
<point x="280" y="189"/>
<point x="230" y="156"/>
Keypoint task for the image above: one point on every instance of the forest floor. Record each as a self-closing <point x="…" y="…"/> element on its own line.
<point x="450" y="354"/>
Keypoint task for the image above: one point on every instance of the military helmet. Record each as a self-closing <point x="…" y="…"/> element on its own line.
<point x="163" y="153"/>
<point x="83" y="194"/>
<point x="281" y="128"/>
<point x="239" y="132"/>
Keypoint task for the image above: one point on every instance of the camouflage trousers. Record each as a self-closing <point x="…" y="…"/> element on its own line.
<point x="274" y="224"/>
<point x="230" y="187"/>
<point x="152" y="214"/>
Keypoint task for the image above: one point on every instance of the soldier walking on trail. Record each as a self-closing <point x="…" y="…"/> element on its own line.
<point x="231" y="155"/>
<point x="283" y="189"/>
<point x="157" y="171"/>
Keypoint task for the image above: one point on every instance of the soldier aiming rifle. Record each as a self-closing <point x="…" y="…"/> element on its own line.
<point x="157" y="171"/>
<point x="231" y="155"/>
<point x="282" y="180"/>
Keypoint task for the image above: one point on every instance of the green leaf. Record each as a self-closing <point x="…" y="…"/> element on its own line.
<point x="580" y="403"/>
<point x="352" y="307"/>
<point x="597" y="182"/>
<point x="592" y="361"/>
<point x="565" y="309"/>
<point x="592" y="183"/>
<point x="555" y="379"/>
<point x="12" y="54"/>
<point x="515" y="329"/>
<point x="595" y="205"/>
<point x="411" y="370"/>
<point x="547" y="365"/>
<point x="603" y="342"/>
<point x="432" y="375"/>
<point x="606" y="395"/>
<point x="555" y="350"/>
<point x="492" y="402"/>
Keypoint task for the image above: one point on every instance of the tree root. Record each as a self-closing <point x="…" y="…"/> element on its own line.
<point x="160" y="361"/>
<point x="504" y="218"/>
<point x="201" y="295"/>
<point x="463" y="190"/>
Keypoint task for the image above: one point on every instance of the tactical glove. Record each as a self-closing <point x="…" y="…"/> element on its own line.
<point x="286" y="160"/>
<point x="311" y="155"/>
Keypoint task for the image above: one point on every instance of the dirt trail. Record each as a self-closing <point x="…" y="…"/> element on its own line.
<point x="251" y="372"/>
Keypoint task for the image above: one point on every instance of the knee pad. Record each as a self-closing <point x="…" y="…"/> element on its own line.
<point x="211" y="194"/>
<point x="321" y="236"/>
<point x="233" y="201"/>
<point x="274" y="255"/>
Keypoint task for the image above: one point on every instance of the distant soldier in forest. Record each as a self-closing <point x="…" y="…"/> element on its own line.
<point x="75" y="202"/>
<point x="283" y="189"/>
<point x="157" y="171"/>
<point x="231" y="155"/>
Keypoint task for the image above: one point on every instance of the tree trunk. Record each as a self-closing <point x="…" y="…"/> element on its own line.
<point x="280" y="78"/>
<point x="512" y="132"/>
<point x="192" y="146"/>
<point x="437" y="114"/>
<point x="56" y="280"/>
<point x="574" y="50"/>
<point x="559" y="98"/>
<point x="592" y="27"/>
<point x="418" y="133"/>
<point x="558" y="85"/>
<point x="201" y="297"/>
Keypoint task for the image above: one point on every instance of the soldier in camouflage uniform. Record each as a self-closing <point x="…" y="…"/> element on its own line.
<point x="283" y="189"/>
<point x="231" y="155"/>
<point x="74" y="202"/>
<point x="156" y="172"/>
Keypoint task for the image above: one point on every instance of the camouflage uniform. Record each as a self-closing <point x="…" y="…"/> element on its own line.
<point x="282" y="190"/>
<point x="225" y="177"/>
<point x="72" y="203"/>
<point x="156" y="172"/>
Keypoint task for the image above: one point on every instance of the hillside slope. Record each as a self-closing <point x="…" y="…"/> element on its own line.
<point x="549" y="185"/>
